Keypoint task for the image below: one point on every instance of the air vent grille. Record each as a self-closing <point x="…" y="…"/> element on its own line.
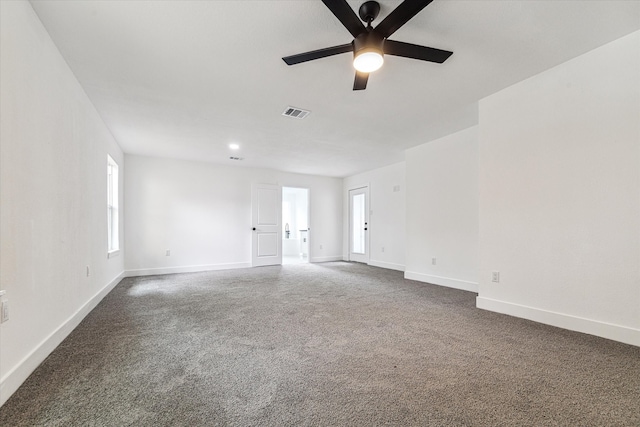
<point x="296" y="113"/>
<point x="235" y="158"/>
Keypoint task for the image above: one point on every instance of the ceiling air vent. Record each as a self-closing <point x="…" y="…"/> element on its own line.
<point x="235" y="158"/>
<point x="296" y="113"/>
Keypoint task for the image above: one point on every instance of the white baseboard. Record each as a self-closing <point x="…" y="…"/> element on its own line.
<point x="442" y="281"/>
<point x="326" y="258"/>
<point x="387" y="265"/>
<point x="579" y="324"/>
<point x="16" y="376"/>
<point x="185" y="269"/>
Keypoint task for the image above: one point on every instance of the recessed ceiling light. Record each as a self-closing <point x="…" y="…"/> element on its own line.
<point x="234" y="146"/>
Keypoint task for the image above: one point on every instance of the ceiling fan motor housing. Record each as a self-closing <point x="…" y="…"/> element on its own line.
<point x="368" y="41"/>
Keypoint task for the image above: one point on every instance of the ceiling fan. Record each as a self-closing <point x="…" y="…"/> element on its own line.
<point x="371" y="44"/>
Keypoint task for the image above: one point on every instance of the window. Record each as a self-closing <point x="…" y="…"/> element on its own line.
<point x="112" y="207"/>
<point x="358" y="208"/>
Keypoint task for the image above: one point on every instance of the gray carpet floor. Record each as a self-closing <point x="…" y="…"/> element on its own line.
<point x="333" y="344"/>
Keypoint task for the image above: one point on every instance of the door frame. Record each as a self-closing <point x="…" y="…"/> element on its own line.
<point x="364" y="258"/>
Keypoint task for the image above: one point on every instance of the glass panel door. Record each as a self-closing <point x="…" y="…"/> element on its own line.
<point x="359" y="225"/>
<point x="357" y="212"/>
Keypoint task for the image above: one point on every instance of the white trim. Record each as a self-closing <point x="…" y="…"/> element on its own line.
<point x="185" y="269"/>
<point x="573" y="323"/>
<point x="19" y="373"/>
<point x="326" y="258"/>
<point x="442" y="281"/>
<point x="387" y="265"/>
<point x="358" y="187"/>
<point x="114" y="253"/>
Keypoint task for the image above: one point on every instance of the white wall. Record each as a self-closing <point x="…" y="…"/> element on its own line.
<point x="387" y="219"/>
<point x="53" y="216"/>
<point x="202" y="213"/>
<point x="442" y="211"/>
<point x="560" y="195"/>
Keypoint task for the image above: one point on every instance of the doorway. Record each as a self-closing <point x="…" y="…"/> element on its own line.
<point x="359" y="224"/>
<point x="295" y="225"/>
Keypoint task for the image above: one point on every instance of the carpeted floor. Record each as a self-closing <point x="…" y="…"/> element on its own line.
<point x="331" y="344"/>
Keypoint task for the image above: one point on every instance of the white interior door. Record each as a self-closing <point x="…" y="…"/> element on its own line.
<point x="359" y="224"/>
<point x="267" y="235"/>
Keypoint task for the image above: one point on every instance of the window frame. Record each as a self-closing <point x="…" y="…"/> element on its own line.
<point x="113" y="220"/>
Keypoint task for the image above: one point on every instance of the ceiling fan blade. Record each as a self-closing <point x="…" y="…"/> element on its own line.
<point x="414" y="51"/>
<point x="360" y="83"/>
<point x="400" y="15"/>
<point x="317" y="54"/>
<point x="346" y="15"/>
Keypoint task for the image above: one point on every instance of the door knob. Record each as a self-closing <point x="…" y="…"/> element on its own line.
<point x="254" y="229"/>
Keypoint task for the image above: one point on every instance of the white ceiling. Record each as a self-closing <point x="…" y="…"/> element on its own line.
<point x="183" y="79"/>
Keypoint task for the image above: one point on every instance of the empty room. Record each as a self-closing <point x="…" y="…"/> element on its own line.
<point x="253" y="213"/>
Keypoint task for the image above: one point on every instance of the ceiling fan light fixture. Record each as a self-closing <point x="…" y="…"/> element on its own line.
<point x="368" y="61"/>
<point x="368" y="55"/>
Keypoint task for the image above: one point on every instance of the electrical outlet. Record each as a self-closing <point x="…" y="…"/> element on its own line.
<point x="320" y="246"/>
<point x="495" y="276"/>
<point x="383" y="249"/>
<point x="433" y="261"/>
<point x="4" y="311"/>
<point x="168" y="252"/>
